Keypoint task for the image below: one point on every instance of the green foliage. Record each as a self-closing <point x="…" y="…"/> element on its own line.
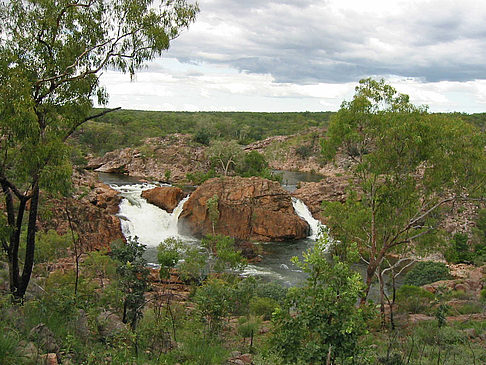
<point x="51" y="246"/>
<point x="198" y="177"/>
<point x="254" y="164"/>
<point x="194" y="267"/>
<point x="202" y="136"/>
<point x="198" y="349"/>
<point x="304" y="151"/>
<point x="406" y="164"/>
<point x="212" y="301"/>
<point x="224" y="255"/>
<point x="225" y="155"/>
<point x="129" y="128"/>
<point x="413" y="299"/>
<point x="168" y="255"/>
<point x="322" y="316"/>
<point x="263" y="307"/>
<point x="459" y="251"/>
<point x="213" y="211"/>
<point x="133" y="278"/>
<point x="426" y="272"/>
<point x="99" y="266"/>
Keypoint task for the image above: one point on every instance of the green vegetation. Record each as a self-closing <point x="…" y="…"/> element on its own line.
<point x="51" y="57"/>
<point x="129" y="128"/>
<point x="320" y="321"/>
<point x="408" y="165"/>
<point x="426" y="272"/>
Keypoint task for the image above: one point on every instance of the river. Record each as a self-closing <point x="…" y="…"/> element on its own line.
<point x="152" y="225"/>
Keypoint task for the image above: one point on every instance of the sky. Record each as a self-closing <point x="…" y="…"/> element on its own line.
<point x="308" y="55"/>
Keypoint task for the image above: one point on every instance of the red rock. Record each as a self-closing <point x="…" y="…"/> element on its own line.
<point x="249" y="209"/>
<point x="164" y="197"/>
<point x="331" y="188"/>
<point x="51" y="359"/>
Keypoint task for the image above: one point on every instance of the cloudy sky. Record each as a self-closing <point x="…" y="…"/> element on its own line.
<point x="308" y="55"/>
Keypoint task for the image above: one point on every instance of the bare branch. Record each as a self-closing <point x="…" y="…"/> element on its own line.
<point x="74" y="127"/>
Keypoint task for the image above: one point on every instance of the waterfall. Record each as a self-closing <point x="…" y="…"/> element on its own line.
<point x="149" y="223"/>
<point x="303" y="212"/>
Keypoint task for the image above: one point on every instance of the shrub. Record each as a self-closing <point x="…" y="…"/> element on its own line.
<point x="263" y="307"/>
<point x="168" y="255"/>
<point x="213" y="303"/>
<point x="413" y="299"/>
<point x="202" y="136"/>
<point x="271" y="290"/>
<point x="483" y="295"/>
<point x="304" y="151"/>
<point x="459" y="250"/>
<point x="199" y="177"/>
<point x="427" y="272"/>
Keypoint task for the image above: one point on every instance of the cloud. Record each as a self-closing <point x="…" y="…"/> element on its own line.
<point x="336" y="41"/>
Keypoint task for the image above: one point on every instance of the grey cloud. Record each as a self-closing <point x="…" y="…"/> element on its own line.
<point x="310" y="41"/>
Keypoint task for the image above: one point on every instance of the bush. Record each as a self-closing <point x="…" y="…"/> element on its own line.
<point x="202" y="136"/>
<point x="459" y="250"/>
<point x="263" y="307"/>
<point x="483" y="295"/>
<point x="168" y="255"/>
<point x="304" y="151"/>
<point x="271" y="290"/>
<point x="213" y="303"/>
<point x="199" y="177"/>
<point x="413" y="299"/>
<point x="427" y="272"/>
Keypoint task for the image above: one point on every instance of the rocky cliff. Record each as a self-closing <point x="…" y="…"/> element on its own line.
<point x="91" y="210"/>
<point x="331" y="188"/>
<point x="174" y="154"/>
<point x="249" y="209"/>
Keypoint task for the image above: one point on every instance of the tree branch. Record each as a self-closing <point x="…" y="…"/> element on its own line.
<point x="75" y="126"/>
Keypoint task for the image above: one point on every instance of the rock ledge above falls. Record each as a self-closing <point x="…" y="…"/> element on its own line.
<point x="253" y="209"/>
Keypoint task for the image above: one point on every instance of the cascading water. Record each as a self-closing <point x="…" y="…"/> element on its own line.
<point x="304" y="212"/>
<point x="152" y="225"/>
<point x="149" y="223"/>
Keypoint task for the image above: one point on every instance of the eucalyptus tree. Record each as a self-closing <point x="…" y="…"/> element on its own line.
<point x="52" y="54"/>
<point x="408" y="165"/>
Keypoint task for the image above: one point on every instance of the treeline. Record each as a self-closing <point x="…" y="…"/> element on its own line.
<point x="128" y="128"/>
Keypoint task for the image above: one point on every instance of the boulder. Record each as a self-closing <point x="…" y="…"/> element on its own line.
<point x="164" y="197"/>
<point x="29" y="351"/>
<point x="252" y="208"/>
<point x="45" y="338"/>
<point x="109" y="325"/>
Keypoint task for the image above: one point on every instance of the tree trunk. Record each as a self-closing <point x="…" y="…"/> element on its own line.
<point x="30" y="245"/>
<point x="382" y="298"/>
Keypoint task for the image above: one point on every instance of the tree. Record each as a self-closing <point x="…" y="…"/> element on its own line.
<point x="51" y="57"/>
<point x="225" y="155"/>
<point x="320" y="323"/>
<point x="408" y="165"/>
<point x="133" y="278"/>
<point x="168" y="255"/>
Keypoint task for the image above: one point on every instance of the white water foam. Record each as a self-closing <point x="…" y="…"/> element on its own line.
<point x="149" y="223"/>
<point x="304" y="212"/>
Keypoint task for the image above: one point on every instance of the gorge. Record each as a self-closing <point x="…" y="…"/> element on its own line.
<point x="151" y="225"/>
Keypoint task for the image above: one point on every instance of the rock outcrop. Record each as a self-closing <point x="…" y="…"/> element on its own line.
<point x="331" y="188"/>
<point x="161" y="158"/>
<point x="92" y="212"/>
<point x="249" y="209"/>
<point x="164" y="197"/>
